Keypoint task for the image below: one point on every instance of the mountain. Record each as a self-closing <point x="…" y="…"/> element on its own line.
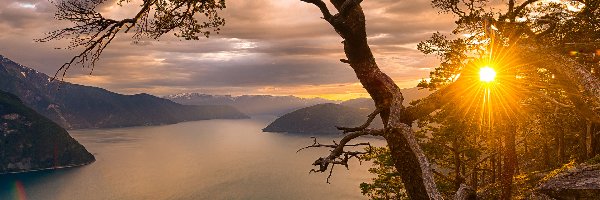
<point x="410" y="94"/>
<point x="30" y="141"/>
<point x="320" y="119"/>
<point x="76" y="106"/>
<point x="249" y="104"/>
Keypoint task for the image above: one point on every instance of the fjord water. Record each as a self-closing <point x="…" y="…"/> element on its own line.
<point x="213" y="159"/>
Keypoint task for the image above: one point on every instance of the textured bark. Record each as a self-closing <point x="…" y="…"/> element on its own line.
<point x="465" y="193"/>
<point x="408" y="157"/>
<point x="560" y="146"/>
<point x="588" y="140"/>
<point x="411" y="163"/>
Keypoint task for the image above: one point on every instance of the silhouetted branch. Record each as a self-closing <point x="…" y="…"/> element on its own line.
<point x="322" y="6"/>
<point x="364" y="126"/>
<point x="93" y="32"/>
<point x="338" y="155"/>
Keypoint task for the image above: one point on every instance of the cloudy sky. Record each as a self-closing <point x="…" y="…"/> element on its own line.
<point x="279" y="47"/>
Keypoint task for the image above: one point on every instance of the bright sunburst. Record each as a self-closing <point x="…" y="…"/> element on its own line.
<point x="487" y="74"/>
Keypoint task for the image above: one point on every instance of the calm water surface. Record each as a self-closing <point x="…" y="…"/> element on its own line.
<point x="215" y="159"/>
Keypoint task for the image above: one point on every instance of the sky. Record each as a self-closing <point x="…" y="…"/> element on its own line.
<point x="277" y="47"/>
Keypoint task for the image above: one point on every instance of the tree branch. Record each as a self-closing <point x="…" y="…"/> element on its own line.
<point x="338" y="155"/>
<point x="93" y="32"/>
<point x="561" y="65"/>
<point x="322" y="6"/>
<point x="365" y="125"/>
<point x="434" y="101"/>
<point x="556" y="102"/>
<point x="520" y="8"/>
<point x="348" y="5"/>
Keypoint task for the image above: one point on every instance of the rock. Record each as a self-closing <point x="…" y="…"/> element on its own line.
<point x="580" y="182"/>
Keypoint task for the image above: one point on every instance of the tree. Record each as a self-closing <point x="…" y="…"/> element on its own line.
<point x="157" y="17"/>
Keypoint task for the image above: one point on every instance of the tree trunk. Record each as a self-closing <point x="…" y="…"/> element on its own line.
<point x="588" y="140"/>
<point x="493" y="162"/>
<point x="408" y="157"/>
<point x="457" y="165"/>
<point x="595" y="139"/>
<point x="510" y="161"/>
<point x="561" y="146"/>
<point x="545" y="152"/>
<point x="474" y="180"/>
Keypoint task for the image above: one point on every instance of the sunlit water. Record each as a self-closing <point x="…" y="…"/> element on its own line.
<point x="215" y="159"/>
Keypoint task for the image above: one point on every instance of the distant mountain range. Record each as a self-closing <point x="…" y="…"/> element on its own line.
<point x="76" y="106"/>
<point x="30" y="141"/>
<point x="321" y="119"/>
<point x="249" y="104"/>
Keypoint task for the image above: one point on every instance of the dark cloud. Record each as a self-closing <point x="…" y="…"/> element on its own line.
<point x="266" y="44"/>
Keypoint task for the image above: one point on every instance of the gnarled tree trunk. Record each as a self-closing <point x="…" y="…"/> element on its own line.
<point x="409" y="159"/>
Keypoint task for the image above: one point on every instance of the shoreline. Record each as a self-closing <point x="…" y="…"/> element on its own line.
<point x="48" y="169"/>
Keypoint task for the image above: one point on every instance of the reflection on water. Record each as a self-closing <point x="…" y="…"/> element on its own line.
<point x="216" y="159"/>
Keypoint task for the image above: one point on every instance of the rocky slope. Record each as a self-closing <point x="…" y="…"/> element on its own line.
<point x="580" y="182"/>
<point x="76" y="106"/>
<point x="30" y="141"/>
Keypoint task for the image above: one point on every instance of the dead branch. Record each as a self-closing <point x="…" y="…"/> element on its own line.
<point x="322" y="6"/>
<point x="370" y="119"/>
<point x="338" y="155"/>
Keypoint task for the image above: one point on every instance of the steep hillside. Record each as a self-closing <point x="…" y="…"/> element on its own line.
<point x="76" y="106"/>
<point x="29" y="141"/>
<point x="320" y="119"/>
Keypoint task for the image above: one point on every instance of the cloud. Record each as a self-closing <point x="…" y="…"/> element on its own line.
<point x="267" y="46"/>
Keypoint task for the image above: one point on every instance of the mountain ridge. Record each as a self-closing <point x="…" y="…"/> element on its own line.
<point x="75" y="106"/>
<point x="321" y="119"/>
<point x="31" y="142"/>
<point x="249" y="104"/>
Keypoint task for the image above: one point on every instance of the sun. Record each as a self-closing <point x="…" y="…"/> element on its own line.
<point x="487" y="74"/>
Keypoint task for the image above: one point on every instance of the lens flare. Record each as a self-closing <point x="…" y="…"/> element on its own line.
<point x="20" y="191"/>
<point x="487" y="74"/>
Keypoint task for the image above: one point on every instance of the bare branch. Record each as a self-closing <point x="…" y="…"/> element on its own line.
<point x="365" y="125"/>
<point x="520" y="8"/>
<point x="338" y="155"/>
<point x="556" y="102"/>
<point x="322" y="6"/>
<point x="93" y="32"/>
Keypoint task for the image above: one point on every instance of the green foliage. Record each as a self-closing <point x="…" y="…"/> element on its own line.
<point x="594" y="160"/>
<point x="555" y="172"/>
<point x="387" y="184"/>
